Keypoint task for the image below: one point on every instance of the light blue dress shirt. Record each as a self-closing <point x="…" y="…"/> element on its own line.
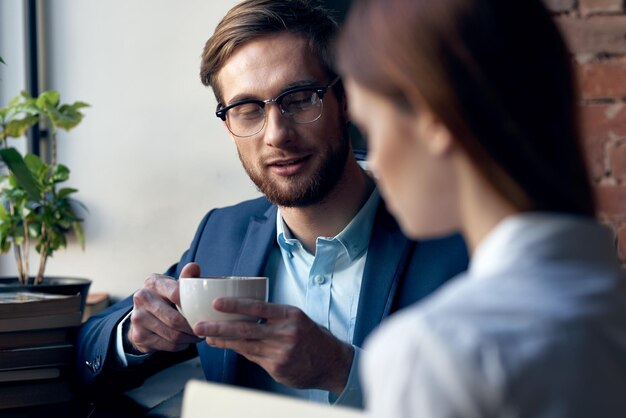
<point x="535" y="328"/>
<point x="326" y="286"/>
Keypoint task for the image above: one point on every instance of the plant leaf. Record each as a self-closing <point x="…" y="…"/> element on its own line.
<point x="38" y="169"/>
<point x="69" y="115"/>
<point x="18" y="127"/>
<point x="80" y="204"/>
<point x="60" y="173"/>
<point x="78" y="230"/>
<point x="14" y="101"/>
<point x="34" y="163"/>
<point x="48" y="98"/>
<point x="22" y="174"/>
<point x="66" y="191"/>
<point x="34" y="230"/>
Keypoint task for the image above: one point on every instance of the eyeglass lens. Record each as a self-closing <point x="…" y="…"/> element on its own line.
<point x="247" y="119"/>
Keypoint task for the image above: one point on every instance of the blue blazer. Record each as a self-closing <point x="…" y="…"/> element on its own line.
<point x="237" y="241"/>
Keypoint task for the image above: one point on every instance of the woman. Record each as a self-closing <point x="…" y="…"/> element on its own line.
<point x="470" y="111"/>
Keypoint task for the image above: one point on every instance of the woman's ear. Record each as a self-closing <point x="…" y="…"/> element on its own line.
<point x="434" y="134"/>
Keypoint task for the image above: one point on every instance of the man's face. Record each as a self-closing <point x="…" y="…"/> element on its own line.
<point x="294" y="165"/>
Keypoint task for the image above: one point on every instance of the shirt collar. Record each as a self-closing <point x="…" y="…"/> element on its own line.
<point x="283" y="235"/>
<point x="536" y="237"/>
<point x="354" y="237"/>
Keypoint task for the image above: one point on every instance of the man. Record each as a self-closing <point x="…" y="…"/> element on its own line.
<point x="337" y="262"/>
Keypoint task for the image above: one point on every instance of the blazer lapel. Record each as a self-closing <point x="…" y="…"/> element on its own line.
<point x="256" y="245"/>
<point x="255" y="248"/>
<point x="387" y="255"/>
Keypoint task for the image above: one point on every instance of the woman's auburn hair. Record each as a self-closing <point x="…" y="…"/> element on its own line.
<point x="496" y="73"/>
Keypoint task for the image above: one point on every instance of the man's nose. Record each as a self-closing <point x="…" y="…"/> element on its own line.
<point x="278" y="127"/>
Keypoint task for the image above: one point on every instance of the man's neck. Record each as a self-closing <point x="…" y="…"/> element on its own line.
<point x="334" y="213"/>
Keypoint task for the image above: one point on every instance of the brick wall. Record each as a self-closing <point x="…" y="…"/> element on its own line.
<point x="595" y="31"/>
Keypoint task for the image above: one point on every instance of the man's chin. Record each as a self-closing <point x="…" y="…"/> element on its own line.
<point x="293" y="199"/>
<point x="307" y="188"/>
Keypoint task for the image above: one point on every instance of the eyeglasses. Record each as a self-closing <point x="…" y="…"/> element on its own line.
<point x="301" y="104"/>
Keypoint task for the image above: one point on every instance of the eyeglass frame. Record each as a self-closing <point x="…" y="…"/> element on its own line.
<point x="319" y="90"/>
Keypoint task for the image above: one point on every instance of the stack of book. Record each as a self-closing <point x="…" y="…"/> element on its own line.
<point x="35" y="347"/>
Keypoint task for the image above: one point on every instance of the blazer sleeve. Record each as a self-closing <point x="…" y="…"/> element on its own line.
<point x="95" y="340"/>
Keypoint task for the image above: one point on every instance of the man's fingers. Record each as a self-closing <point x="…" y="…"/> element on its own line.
<point x="190" y="270"/>
<point x="234" y="330"/>
<point x="161" y="308"/>
<point x="148" y="333"/>
<point x="255" y="308"/>
<point x="165" y="286"/>
<point x="172" y="318"/>
<point x="154" y="342"/>
<point x="253" y="350"/>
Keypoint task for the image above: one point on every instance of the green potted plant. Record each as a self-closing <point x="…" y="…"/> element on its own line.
<point x="35" y="210"/>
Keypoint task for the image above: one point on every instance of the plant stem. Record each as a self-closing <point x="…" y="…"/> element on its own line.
<point x="53" y="144"/>
<point x="5" y="144"/>
<point x="17" y="251"/>
<point x="25" y="256"/>
<point x="18" y="261"/>
<point x="22" y="274"/>
<point x="43" y="256"/>
<point x="42" y="264"/>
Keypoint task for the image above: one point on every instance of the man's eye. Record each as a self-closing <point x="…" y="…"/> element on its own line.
<point x="300" y="99"/>
<point x="246" y="110"/>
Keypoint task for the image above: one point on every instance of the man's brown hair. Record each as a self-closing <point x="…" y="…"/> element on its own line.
<point x="252" y="19"/>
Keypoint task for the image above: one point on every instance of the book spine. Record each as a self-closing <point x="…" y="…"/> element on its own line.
<point x="40" y="322"/>
<point x="20" y="358"/>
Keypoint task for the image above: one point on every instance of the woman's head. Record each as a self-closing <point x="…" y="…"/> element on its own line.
<point x="494" y="73"/>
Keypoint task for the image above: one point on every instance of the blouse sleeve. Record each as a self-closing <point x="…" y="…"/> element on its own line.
<point x="411" y="370"/>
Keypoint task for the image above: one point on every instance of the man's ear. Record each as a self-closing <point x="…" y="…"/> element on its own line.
<point x="343" y="102"/>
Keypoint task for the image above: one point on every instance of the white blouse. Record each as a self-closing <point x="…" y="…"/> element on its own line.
<point x="535" y="328"/>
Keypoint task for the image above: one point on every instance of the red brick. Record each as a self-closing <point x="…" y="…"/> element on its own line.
<point x="617" y="160"/>
<point x="588" y="7"/>
<point x="612" y="202"/>
<point x="604" y="121"/>
<point x="604" y="79"/>
<point x="559" y="6"/>
<point x="594" y="151"/>
<point x="602" y="34"/>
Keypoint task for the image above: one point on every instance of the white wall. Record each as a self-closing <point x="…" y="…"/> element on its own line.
<point x="12" y="75"/>
<point x="150" y="158"/>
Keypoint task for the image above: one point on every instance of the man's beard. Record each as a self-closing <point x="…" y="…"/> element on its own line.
<point x="307" y="191"/>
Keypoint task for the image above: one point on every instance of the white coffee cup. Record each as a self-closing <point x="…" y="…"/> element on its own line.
<point x="197" y="296"/>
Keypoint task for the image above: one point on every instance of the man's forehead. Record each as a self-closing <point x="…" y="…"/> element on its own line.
<point x="268" y="63"/>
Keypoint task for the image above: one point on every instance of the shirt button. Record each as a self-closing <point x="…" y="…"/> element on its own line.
<point x="319" y="280"/>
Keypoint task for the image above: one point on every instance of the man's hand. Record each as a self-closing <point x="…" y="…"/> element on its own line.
<point x="292" y="348"/>
<point x="155" y="323"/>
